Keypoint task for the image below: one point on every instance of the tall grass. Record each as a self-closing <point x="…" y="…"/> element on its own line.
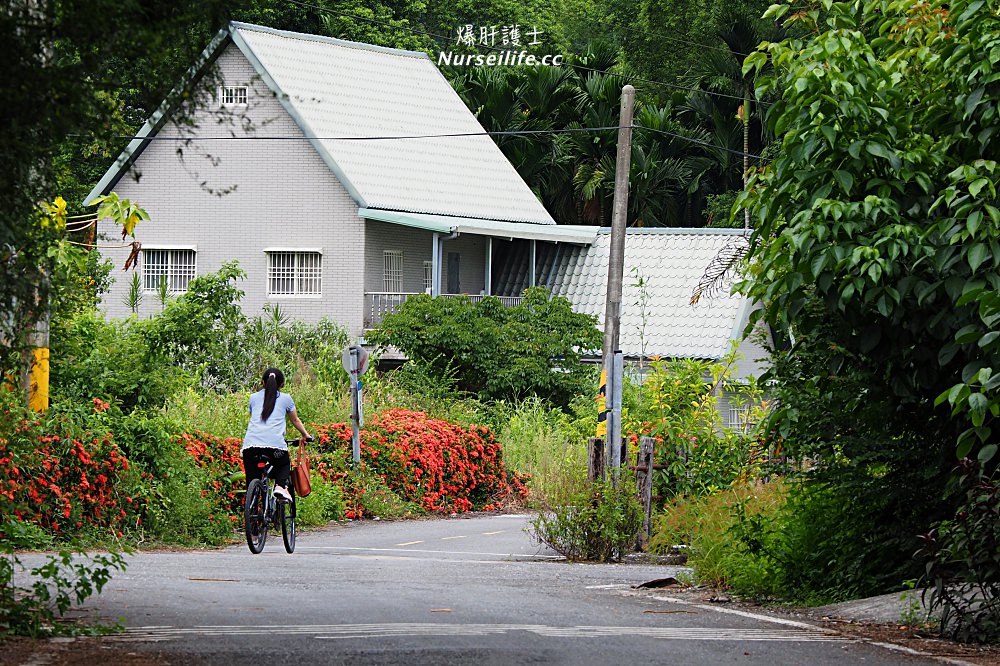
<point x="226" y="414"/>
<point x="711" y="525"/>
<point x="542" y="443"/>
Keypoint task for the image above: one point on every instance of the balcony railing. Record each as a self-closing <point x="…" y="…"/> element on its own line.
<point x="380" y="303"/>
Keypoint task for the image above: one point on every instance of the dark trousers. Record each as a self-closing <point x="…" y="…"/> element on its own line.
<point x="280" y="460"/>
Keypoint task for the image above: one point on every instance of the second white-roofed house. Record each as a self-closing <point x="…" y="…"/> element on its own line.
<point x="663" y="269"/>
<point x="342" y="177"/>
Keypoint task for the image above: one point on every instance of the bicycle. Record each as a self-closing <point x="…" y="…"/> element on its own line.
<point x="261" y="510"/>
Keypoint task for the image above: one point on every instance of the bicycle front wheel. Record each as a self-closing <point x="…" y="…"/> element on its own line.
<point x="287" y="515"/>
<point x="254" y="519"/>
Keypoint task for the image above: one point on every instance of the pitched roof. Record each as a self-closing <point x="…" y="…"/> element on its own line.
<point x="671" y="262"/>
<point x="337" y="91"/>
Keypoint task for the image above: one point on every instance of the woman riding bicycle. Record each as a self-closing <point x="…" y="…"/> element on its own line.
<point x="265" y="438"/>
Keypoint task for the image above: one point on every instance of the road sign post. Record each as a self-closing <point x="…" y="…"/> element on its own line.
<point x="355" y="361"/>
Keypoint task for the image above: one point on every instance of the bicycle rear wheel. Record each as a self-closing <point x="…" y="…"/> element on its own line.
<point x="254" y="519"/>
<point x="287" y="514"/>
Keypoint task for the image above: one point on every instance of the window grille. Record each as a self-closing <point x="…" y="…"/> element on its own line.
<point x="233" y="96"/>
<point x="294" y="274"/>
<point x="392" y="271"/>
<point x="738" y="417"/>
<point x="428" y="276"/>
<point x="176" y="267"/>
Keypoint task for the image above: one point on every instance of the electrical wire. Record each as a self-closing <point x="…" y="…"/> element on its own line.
<point x="704" y="143"/>
<point x="441" y="136"/>
<point x="565" y="130"/>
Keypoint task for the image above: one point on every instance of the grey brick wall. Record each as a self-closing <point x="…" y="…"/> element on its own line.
<point x="231" y="199"/>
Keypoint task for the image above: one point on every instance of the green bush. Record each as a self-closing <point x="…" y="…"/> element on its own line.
<point x="678" y="405"/>
<point x="494" y="352"/>
<point x="65" y="579"/>
<point x="93" y="357"/>
<point x="710" y="529"/>
<point x="600" y="523"/>
<point x="962" y="560"/>
<point x="324" y="503"/>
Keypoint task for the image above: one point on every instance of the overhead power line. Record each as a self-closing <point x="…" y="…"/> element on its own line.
<point x="704" y="143"/>
<point x="566" y="130"/>
<point x="445" y="136"/>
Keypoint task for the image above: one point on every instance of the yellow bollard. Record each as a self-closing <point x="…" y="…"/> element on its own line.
<point x="38" y="380"/>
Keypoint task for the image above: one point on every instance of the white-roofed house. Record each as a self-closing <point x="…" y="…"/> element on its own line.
<point x="659" y="319"/>
<point x="284" y="171"/>
<point x="296" y="169"/>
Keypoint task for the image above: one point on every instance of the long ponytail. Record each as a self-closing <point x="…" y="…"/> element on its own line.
<point x="272" y="381"/>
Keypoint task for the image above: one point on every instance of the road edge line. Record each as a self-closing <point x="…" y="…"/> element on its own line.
<point x="806" y="625"/>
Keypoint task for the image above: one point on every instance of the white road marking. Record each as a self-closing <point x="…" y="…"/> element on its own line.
<point x="351" y="631"/>
<point x="615" y="586"/>
<point x="492" y="533"/>
<point x="409" y="543"/>
<point x="733" y="611"/>
<point x="452" y="537"/>
<point x="417" y="550"/>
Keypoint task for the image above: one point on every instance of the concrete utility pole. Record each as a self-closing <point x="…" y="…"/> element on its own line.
<point x="616" y="270"/>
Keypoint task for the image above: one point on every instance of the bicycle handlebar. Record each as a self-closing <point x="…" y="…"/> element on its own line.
<point x="299" y="439"/>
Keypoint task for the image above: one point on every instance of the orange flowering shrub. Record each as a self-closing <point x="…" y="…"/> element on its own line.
<point x="64" y="484"/>
<point x="220" y="457"/>
<point x="442" y="466"/>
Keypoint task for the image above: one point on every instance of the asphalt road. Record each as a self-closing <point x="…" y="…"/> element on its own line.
<point x="455" y="591"/>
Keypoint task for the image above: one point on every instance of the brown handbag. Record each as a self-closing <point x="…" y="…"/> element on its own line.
<point x="300" y="473"/>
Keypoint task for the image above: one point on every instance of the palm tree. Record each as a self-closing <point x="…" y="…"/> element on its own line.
<point x="721" y="71"/>
<point x="668" y="163"/>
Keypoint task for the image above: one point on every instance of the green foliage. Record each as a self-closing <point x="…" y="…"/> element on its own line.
<point x="533" y="348"/>
<point x="378" y="500"/>
<point x="324" y="504"/>
<point x="710" y="530"/>
<point x="201" y="337"/>
<point x="600" y="522"/>
<point x="65" y="579"/>
<point x="94" y="357"/>
<point x="194" y="330"/>
<point x="680" y="408"/>
<point x="573" y="173"/>
<point x="962" y="560"/>
<point x="180" y="509"/>
<point x="133" y="297"/>
<point x="648" y="29"/>
<point x="875" y="242"/>
<point x="882" y="218"/>
<point x="719" y="210"/>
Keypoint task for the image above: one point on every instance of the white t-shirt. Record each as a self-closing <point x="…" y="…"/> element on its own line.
<point x="269" y="433"/>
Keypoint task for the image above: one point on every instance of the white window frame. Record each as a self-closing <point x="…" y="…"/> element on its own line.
<point x="739" y="417"/>
<point x="428" y="276"/>
<point x="392" y="271"/>
<point x="180" y="266"/>
<point x="234" y="96"/>
<point x="303" y="269"/>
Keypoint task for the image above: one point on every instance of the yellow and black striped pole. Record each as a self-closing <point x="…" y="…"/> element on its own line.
<point x="602" y="406"/>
